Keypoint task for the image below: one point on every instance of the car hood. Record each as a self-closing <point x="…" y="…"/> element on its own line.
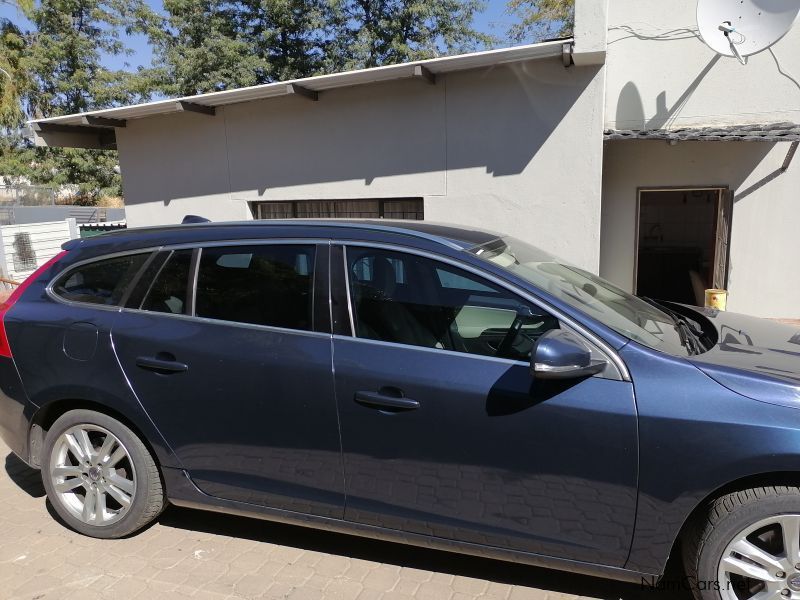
<point x="757" y="358"/>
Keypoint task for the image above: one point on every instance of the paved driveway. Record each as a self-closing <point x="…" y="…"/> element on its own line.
<point x="193" y="554"/>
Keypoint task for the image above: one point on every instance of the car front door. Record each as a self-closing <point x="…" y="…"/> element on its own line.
<point x="235" y="371"/>
<point x="444" y="430"/>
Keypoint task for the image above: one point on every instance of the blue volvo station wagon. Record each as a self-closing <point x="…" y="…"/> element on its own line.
<point x="429" y="384"/>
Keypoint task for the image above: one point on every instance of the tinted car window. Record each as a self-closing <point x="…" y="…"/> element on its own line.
<point x="169" y="291"/>
<point x="260" y="284"/>
<point x="100" y="282"/>
<point x="410" y="299"/>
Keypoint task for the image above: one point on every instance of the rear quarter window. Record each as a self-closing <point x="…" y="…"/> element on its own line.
<point x="100" y="282"/>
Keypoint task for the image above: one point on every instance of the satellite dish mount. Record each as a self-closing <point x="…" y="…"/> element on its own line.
<point x="745" y="27"/>
<point x="727" y="29"/>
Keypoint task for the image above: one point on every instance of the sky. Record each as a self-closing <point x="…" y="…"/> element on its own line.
<point x="493" y="20"/>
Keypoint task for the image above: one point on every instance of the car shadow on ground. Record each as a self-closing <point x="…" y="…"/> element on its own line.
<point x="29" y="480"/>
<point x="422" y="558"/>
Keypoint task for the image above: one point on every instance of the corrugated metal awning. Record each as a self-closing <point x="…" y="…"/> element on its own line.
<point x="95" y="129"/>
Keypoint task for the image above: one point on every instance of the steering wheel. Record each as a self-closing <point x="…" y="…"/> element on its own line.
<point x="508" y="340"/>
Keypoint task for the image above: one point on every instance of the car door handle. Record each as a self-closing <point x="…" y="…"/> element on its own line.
<point x="160" y="365"/>
<point x="378" y="400"/>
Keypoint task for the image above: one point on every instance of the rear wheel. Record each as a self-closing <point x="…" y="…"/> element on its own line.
<point x="747" y="546"/>
<point x="99" y="476"/>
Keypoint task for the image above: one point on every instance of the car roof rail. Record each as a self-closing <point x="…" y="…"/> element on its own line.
<point x="188" y="219"/>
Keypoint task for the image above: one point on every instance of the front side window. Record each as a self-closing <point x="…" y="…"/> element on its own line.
<point x="261" y="285"/>
<point x="409" y="299"/>
<point x="100" y="282"/>
<point x="615" y="308"/>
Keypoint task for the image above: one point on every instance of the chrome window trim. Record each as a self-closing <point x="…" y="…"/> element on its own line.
<point x="347" y="291"/>
<point x="612" y="354"/>
<point x="191" y="285"/>
<point x="294" y="241"/>
<point x="50" y="292"/>
<point x="155" y="278"/>
<point x="238" y="324"/>
<point x="163" y="248"/>
<point x="330" y="288"/>
<point x="454" y="353"/>
<point x="137" y="278"/>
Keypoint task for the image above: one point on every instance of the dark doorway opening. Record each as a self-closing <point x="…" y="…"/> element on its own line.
<point x="682" y="243"/>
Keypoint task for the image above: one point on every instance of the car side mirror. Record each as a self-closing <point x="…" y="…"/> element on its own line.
<point x="560" y="354"/>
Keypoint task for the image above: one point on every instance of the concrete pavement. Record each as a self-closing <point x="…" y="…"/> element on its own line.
<point x="194" y="554"/>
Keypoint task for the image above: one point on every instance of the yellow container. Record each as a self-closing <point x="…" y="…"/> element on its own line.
<point x="717" y="299"/>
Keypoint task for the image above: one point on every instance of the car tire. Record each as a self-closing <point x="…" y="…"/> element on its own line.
<point x="738" y="546"/>
<point x="99" y="476"/>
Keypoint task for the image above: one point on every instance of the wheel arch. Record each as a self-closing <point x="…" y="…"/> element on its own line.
<point x="787" y="478"/>
<point x="46" y="415"/>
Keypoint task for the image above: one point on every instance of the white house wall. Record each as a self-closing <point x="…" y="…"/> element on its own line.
<point x="764" y="240"/>
<point x="514" y="148"/>
<point x="660" y="74"/>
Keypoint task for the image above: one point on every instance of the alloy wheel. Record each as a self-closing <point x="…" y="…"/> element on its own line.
<point x="763" y="561"/>
<point x="92" y="474"/>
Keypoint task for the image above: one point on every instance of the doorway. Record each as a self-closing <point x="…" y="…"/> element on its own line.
<point x="682" y="242"/>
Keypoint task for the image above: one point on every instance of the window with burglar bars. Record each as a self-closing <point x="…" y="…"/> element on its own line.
<point x="388" y="208"/>
<point x="24" y="254"/>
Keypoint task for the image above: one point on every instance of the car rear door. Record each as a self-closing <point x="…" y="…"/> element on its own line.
<point x="443" y="437"/>
<point x="229" y="357"/>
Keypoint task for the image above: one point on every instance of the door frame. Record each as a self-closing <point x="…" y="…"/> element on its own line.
<point x="724" y="197"/>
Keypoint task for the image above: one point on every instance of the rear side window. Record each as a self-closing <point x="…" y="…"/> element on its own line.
<point x="260" y="285"/>
<point x="169" y="291"/>
<point x="100" y="282"/>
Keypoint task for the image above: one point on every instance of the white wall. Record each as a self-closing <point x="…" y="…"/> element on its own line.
<point x="46" y="240"/>
<point x="660" y="74"/>
<point x="515" y="148"/>
<point x="764" y="242"/>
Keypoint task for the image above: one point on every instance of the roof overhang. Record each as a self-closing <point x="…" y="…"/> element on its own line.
<point x="96" y="129"/>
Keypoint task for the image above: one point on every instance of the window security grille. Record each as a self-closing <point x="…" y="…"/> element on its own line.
<point x="389" y="208"/>
<point x="24" y="255"/>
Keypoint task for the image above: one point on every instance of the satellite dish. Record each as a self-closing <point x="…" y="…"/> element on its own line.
<point x="741" y="28"/>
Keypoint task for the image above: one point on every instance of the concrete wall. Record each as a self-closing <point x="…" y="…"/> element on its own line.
<point x="764" y="242"/>
<point x="44" y="214"/>
<point x="515" y="148"/>
<point x="660" y="73"/>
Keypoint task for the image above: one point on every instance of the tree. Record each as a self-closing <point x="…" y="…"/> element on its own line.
<point x="12" y="78"/>
<point x="62" y="72"/>
<point x="291" y="37"/>
<point x="541" y="19"/>
<point x="371" y="33"/>
<point x="210" y="45"/>
<point x="201" y="47"/>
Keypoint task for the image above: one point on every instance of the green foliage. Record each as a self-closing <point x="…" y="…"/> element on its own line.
<point x="378" y="32"/>
<point x="541" y="19"/>
<point x="12" y="77"/>
<point x="211" y="45"/>
<point x="201" y="48"/>
<point x="58" y="70"/>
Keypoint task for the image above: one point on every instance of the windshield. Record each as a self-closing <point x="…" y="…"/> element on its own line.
<point x="622" y="312"/>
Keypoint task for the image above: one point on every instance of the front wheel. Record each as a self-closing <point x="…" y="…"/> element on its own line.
<point x="747" y="546"/>
<point x="99" y="476"/>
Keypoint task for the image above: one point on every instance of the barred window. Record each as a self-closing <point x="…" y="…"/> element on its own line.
<point x="24" y="254"/>
<point x="380" y="208"/>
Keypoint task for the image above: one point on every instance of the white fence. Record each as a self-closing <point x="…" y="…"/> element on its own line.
<point x="24" y="248"/>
